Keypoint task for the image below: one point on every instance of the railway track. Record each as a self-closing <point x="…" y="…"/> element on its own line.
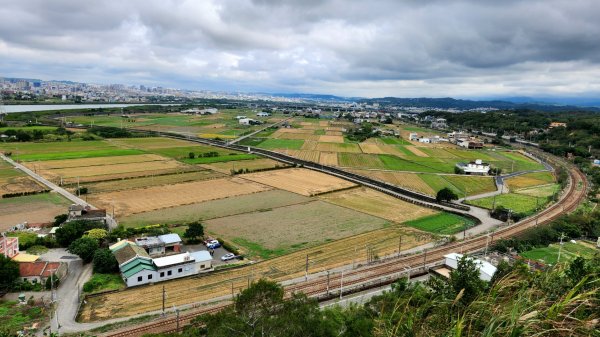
<point x="323" y="286"/>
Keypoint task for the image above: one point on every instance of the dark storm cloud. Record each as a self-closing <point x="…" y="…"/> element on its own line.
<point x="404" y="48"/>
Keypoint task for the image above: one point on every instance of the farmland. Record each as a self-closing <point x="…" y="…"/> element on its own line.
<point x="190" y="290"/>
<point x="570" y="251"/>
<point x="255" y="164"/>
<point x="144" y="199"/>
<point x="301" y="181"/>
<point x="15" y="181"/>
<point x="216" y="208"/>
<point x="276" y="232"/>
<point x="518" y="203"/>
<point x="530" y="179"/>
<point x="377" y="204"/>
<point x="33" y="208"/>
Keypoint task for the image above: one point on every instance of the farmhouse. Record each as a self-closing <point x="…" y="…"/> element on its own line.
<point x="38" y="272"/>
<point x="9" y="246"/>
<point x="160" y="245"/>
<point x="137" y="267"/>
<point x="79" y="212"/>
<point x="413" y="136"/>
<point x="263" y="114"/>
<point x="471" y="144"/>
<point x="457" y="137"/>
<point x="477" y="167"/>
<point x="486" y="269"/>
<point x="439" y="123"/>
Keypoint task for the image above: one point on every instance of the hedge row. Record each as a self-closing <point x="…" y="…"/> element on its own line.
<point x="22" y="194"/>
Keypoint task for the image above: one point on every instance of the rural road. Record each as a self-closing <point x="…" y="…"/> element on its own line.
<point x="55" y="188"/>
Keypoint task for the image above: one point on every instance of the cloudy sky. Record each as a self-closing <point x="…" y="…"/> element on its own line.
<point x="404" y="48"/>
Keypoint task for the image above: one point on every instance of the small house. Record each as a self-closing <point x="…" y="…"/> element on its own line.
<point x="486" y="269"/>
<point x="477" y="167"/>
<point x="39" y="272"/>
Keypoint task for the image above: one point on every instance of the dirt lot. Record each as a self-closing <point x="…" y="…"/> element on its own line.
<point x="377" y="204"/>
<point x="147" y="199"/>
<point x="34" y="208"/>
<point x="195" y="289"/>
<point x="301" y="181"/>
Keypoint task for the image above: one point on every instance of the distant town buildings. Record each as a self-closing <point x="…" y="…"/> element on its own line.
<point x="557" y="125"/>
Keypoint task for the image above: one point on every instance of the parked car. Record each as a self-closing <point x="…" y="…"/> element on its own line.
<point x="227" y="257"/>
<point x="212" y="244"/>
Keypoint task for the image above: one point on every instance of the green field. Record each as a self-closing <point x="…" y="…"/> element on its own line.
<point x="570" y="251"/>
<point x="392" y="162"/>
<point x="220" y="159"/>
<point x="28" y="128"/>
<point x="441" y="223"/>
<point x="291" y="144"/>
<point x="103" y="282"/>
<point x="539" y="191"/>
<point x="15" y="316"/>
<point x="519" y="203"/>
<point x="52" y="198"/>
<point x="77" y="154"/>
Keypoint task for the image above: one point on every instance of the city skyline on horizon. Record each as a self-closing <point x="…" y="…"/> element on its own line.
<point x="474" y="50"/>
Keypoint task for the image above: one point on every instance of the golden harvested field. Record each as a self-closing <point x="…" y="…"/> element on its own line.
<point x="334" y="133"/>
<point x="33" y="209"/>
<point x="253" y="164"/>
<point x="150" y="143"/>
<point x="334" y="129"/>
<point x="288" y="228"/>
<point x="216" y="135"/>
<point x="371" y="148"/>
<point x="19" y="184"/>
<point x="125" y="184"/>
<point x="530" y="179"/>
<point x="323" y="123"/>
<point x="304" y="155"/>
<point x="104" y="170"/>
<point x="328" y="158"/>
<point x="338" y="147"/>
<point x="331" y="139"/>
<point x="301" y="181"/>
<point x="85" y="162"/>
<point x="390" y="149"/>
<point x="410" y="181"/>
<point x="146" y="199"/>
<point x="416" y="151"/>
<point x="378" y="204"/>
<point x="309" y="145"/>
<point x="280" y="131"/>
<point x="304" y="136"/>
<point x="342" y="252"/>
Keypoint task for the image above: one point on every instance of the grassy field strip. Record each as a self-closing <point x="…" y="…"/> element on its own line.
<point x="530" y="179"/>
<point x="441" y="223"/>
<point x="85" y="162"/>
<point x="540" y="190"/>
<point x="338" y="147"/>
<point x="292" y="144"/>
<point x="125" y="184"/>
<point x="330" y="255"/>
<point x="519" y="203"/>
<point x="570" y="251"/>
<point x="103" y="170"/>
<point x="255" y="164"/>
<point x="416" y="151"/>
<point x="219" y="208"/>
<point x="150" y="143"/>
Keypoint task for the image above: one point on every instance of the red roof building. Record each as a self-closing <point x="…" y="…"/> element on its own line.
<point x="39" y="271"/>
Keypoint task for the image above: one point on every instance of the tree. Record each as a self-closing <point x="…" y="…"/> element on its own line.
<point x="97" y="233"/>
<point x="84" y="247"/>
<point x="73" y="230"/>
<point x="9" y="272"/>
<point x="191" y="155"/>
<point x="465" y="279"/>
<point x="446" y="194"/>
<point x="60" y="219"/>
<point x="194" y="231"/>
<point x="261" y="310"/>
<point x="105" y="262"/>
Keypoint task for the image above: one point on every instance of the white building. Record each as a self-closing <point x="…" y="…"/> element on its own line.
<point x="486" y="269"/>
<point x="425" y="140"/>
<point x="476" y="167"/>
<point x="244" y="121"/>
<point x="413" y="136"/>
<point x="263" y="114"/>
<point x="138" y="268"/>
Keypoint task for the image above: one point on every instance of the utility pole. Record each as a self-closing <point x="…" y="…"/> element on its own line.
<point x="328" y="283"/>
<point x="537" y="216"/>
<point x="78" y="188"/>
<point x="177" y="313"/>
<point x="306" y="269"/>
<point x="562" y="235"/>
<point x="424" y="257"/>
<point x="399" y="245"/>
<point x="164" y="297"/>
<point x="342" y="285"/>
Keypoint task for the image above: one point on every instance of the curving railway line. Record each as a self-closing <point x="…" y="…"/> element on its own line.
<point x="390" y="269"/>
